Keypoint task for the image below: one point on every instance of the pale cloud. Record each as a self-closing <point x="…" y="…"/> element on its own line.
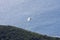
<point x="5" y="5"/>
<point x="28" y="6"/>
<point x="15" y="10"/>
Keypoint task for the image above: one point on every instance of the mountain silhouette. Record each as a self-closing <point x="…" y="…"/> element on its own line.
<point x="8" y="32"/>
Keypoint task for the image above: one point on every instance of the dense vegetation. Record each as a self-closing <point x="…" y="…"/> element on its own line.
<point x="14" y="33"/>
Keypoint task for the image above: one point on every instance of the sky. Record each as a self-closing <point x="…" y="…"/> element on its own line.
<point x="44" y="14"/>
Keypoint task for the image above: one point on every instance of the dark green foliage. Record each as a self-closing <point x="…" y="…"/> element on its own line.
<point x="14" y="33"/>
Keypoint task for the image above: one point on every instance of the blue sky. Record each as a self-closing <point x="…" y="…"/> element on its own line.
<point x="45" y="15"/>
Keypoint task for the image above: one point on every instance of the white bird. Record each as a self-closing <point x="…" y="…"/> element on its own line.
<point x="29" y="19"/>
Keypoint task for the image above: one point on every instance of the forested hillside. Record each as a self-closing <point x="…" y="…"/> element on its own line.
<point x="14" y="33"/>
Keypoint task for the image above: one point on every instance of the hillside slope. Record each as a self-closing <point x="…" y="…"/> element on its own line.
<point x="14" y="33"/>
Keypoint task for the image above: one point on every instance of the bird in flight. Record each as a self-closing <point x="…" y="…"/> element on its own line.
<point x="29" y="19"/>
